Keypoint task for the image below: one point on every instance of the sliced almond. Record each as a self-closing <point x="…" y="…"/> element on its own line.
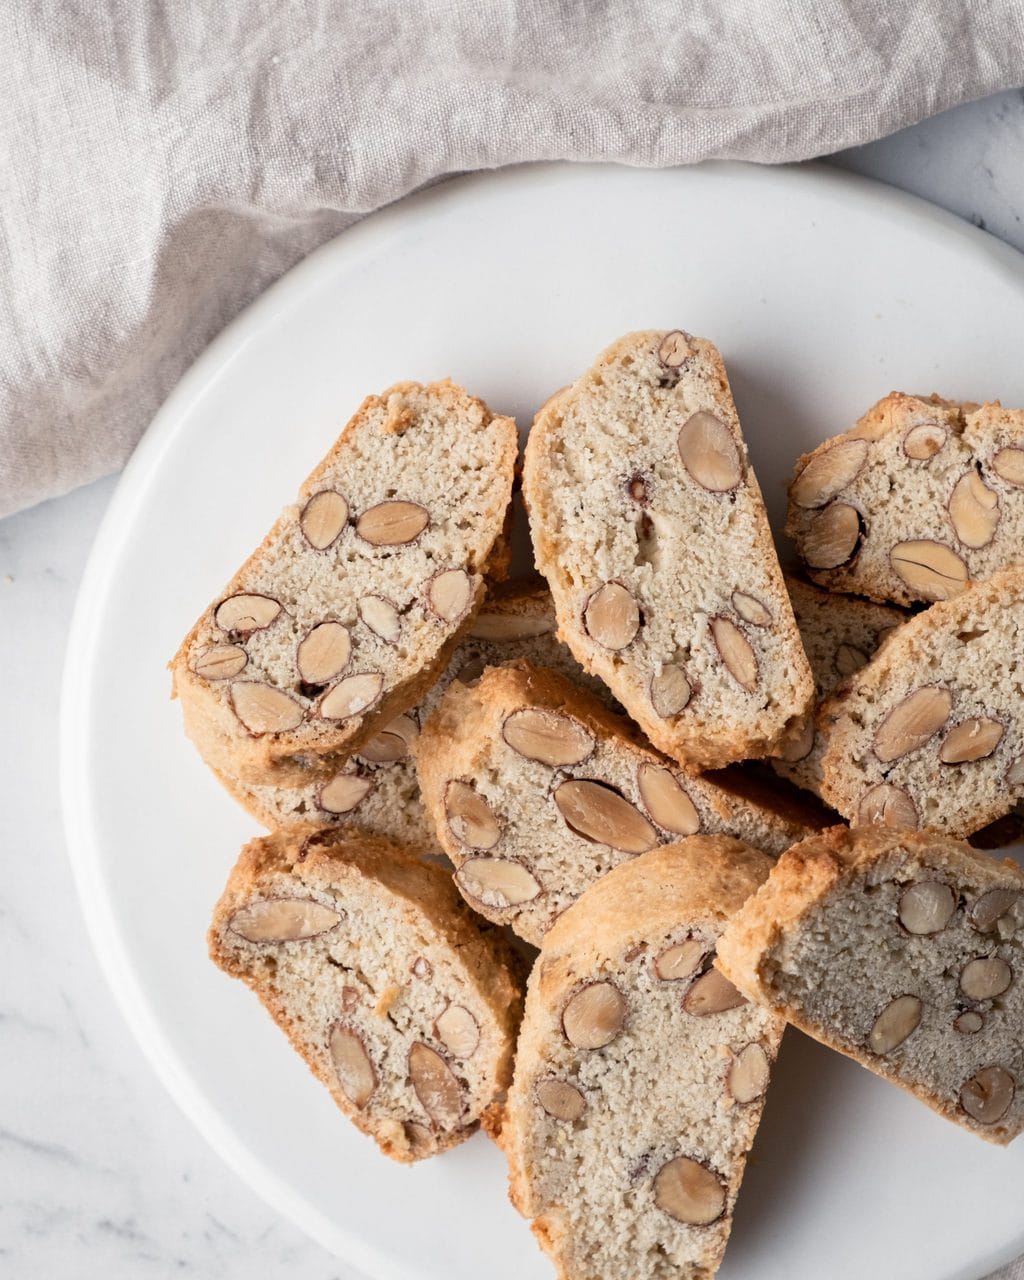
<point x="435" y="1085"/>
<point x="675" y="349"/>
<point x="264" y="709"/>
<point x="471" y="819"/>
<point x="392" y="743"/>
<point x="926" y="907"/>
<point x="344" y="792"/>
<point x="992" y="906"/>
<point x="392" y="524"/>
<point x="985" y="978"/>
<point x="748" y="1073"/>
<point x="549" y="737"/>
<point x="736" y="653"/>
<point x="323" y="518"/>
<point x="598" y="812"/>
<point x="220" y="662"/>
<point x="896" y="1021"/>
<point x="243" y="614"/>
<point x="284" y="920"/>
<point x="798" y="742"/>
<point x="670" y="691"/>
<point x="612" y="616"/>
<point x="930" y="569"/>
<point x="450" y="594"/>
<point x="323" y="653"/>
<point x="973" y="739"/>
<point x="421" y="968"/>
<point x="973" y="510"/>
<point x="689" y="1192"/>
<point x="1008" y="464"/>
<point x="352" y="1064"/>
<point x="502" y="627"/>
<point x="381" y="617"/>
<point x="888" y="806"/>
<point x="828" y="472"/>
<point x="751" y="609"/>
<point x="560" y="1099"/>
<point x="912" y="722"/>
<point x="924" y="441"/>
<point x="712" y="993"/>
<point x="849" y="659"/>
<point x="497" y="882"/>
<point x="968" y="1023"/>
<point x="457" y="1030"/>
<point x="988" y="1094"/>
<point x="667" y="801"/>
<point x="594" y="1016"/>
<point x="1015" y="773"/>
<point x="636" y="487"/>
<point x="708" y="452"/>
<point x="681" y="960"/>
<point x="352" y="696"/>
<point x="831" y="537"/>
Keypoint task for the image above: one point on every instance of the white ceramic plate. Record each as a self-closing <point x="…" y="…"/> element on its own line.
<point x="824" y="292"/>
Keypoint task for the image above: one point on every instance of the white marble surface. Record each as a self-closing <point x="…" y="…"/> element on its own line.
<point x="99" y="1174"/>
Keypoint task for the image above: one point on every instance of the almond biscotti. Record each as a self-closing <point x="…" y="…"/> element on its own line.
<point x="905" y="951"/>
<point x="536" y="790"/>
<point x="375" y="970"/>
<point x="931" y="732"/>
<point x="357" y="596"/>
<point x="920" y="498"/>
<point x="641" y="1072"/>
<point x="648" y="523"/>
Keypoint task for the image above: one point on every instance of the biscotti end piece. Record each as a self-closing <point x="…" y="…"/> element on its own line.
<point x="381" y="979"/>
<point x="921" y="497"/>
<point x="931" y="732"/>
<point x="354" y="601"/>
<point x="536" y="790"/>
<point x="641" y="1072"/>
<point x="649" y="525"/>
<point x="905" y="951"/>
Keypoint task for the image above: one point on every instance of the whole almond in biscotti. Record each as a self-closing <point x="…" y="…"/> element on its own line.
<point x="353" y="603"/>
<point x="920" y="498"/>
<point x="905" y="951"/>
<point x="536" y="790"/>
<point x="370" y="963"/>
<point x="636" y="1099"/>
<point x="648" y="523"/>
<point x="930" y="732"/>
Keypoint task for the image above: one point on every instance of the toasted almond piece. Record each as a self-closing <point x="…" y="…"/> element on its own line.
<point x="381" y="617"/>
<point x="748" y="1073"/>
<point x="450" y="594"/>
<point x="283" y="920"/>
<point x="392" y="523"/>
<point x="675" y="349"/>
<point x="680" y="960"/>
<point x="344" y="792"/>
<point x="457" y="1030"/>
<point x="1015" y="773"/>
<point x="549" y="737"/>
<point x="829" y="472"/>
<point x="353" y="1066"/>
<point x="930" y="569"/>
<point x="323" y="653"/>
<point x="220" y="662"/>
<point x="471" y="819"/>
<point x="392" y="743"/>
<point x="924" y="441"/>
<point x="598" y="812"/>
<point x="926" y="907"/>
<point x="985" y="977"/>
<point x="888" y="806"/>
<point x="352" y="696"/>
<point x="510" y="626"/>
<point x="264" y="709"/>
<point x="736" y="653"/>
<point x="417" y="1135"/>
<point x="594" y="1016"/>
<point x="969" y="1023"/>
<point x="1008" y="464"/>
<point x="560" y="1099"/>
<point x="636" y="487"/>
<point x="435" y="1085"/>
<point x="751" y="609"/>
<point x="832" y="536"/>
<point x="245" y="613"/>
<point x="849" y="659"/>
<point x="421" y="968"/>
<point x="612" y="616"/>
<point x="988" y="1094"/>
<point x="323" y="518"/>
<point x="689" y="1192"/>
<point x="992" y="906"/>
<point x="497" y="882"/>
<point x="912" y="722"/>
<point x="970" y="740"/>
<point x="350" y="997"/>
<point x="708" y="452"/>
<point x="667" y="801"/>
<point x="798" y="743"/>
<point x="896" y="1021"/>
<point x="712" y="993"/>
<point x="670" y="691"/>
<point x="973" y="510"/>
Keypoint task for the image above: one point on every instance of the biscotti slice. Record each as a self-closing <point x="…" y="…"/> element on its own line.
<point x="905" y="951"/>
<point x="839" y="634"/>
<point x="373" y="967"/>
<point x="641" y="1072"/>
<point x="648" y="523"/>
<point x="931" y="732"/>
<point x="351" y="606"/>
<point x="921" y="497"/>
<point x="537" y="790"/>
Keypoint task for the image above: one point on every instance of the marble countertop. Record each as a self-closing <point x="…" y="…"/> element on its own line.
<point x="99" y="1173"/>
